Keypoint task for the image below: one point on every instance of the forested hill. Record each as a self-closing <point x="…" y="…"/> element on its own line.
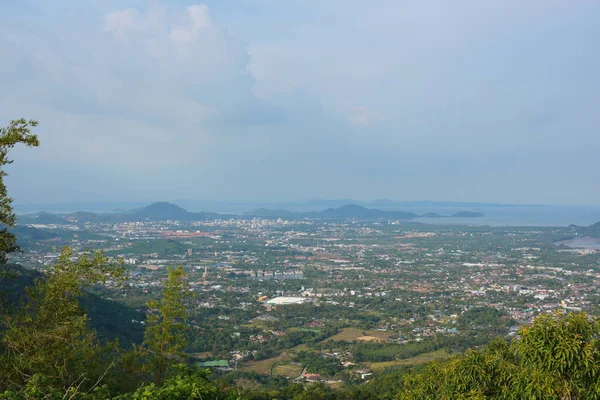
<point x="110" y="319"/>
<point x="352" y="211"/>
<point x="592" y="230"/>
<point x="467" y="214"/>
<point x="163" y="211"/>
<point x="43" y="218"/>
<point x="356" y="211"/>
<point x="27" y="234"/>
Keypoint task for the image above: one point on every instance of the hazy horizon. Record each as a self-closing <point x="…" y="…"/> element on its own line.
<point x="253" y="100"/>
<point x="23" y="207"/>
<point x="494" y="214"/>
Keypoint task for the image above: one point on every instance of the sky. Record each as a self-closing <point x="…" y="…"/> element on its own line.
<point x="270" y="100"/>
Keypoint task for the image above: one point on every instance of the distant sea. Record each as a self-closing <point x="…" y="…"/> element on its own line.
<point x="552" y="215"/>
<point x="517" y="216"/>
<point x="581" y="242"/>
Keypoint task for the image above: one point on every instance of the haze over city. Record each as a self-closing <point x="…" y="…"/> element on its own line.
<point x="276" y="101"/>
<point x="299" y="200"/>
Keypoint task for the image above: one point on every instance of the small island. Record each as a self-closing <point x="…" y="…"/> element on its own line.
<point x="432" y="215"/>
<point x="467" y="214"/>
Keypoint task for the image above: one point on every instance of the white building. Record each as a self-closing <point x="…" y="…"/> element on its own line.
<point x="279" y="301"/>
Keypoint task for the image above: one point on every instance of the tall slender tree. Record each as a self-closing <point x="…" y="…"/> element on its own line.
<point x="166" y="335"/>
<point x="17" y="132"/>
<point x="48" y="341"/>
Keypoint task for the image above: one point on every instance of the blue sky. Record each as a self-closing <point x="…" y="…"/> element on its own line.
<point x="283" y="100"/>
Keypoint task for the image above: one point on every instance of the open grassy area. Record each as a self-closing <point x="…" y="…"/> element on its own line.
<point x="297" y="349"/>
<point x="420" y="359"/>
<point x="281" y="365"/>
<point x="257" y="323"/>
<point x="288" y="370"/>
<point x="352" y="334"/>
<point x="262" y="366"/>
<point x="283" y="361"/>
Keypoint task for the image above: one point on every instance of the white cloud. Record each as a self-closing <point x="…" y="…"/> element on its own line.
<point x="198" y="20"/>
<point x="199" y="16"/>
<point x="154" y="84"/>
<point x="303" y="87"/>
<point x="120" y="23"/>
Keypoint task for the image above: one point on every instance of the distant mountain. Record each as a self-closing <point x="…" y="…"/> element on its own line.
<point x="467" y="214"/>
<point x="591" y="231"/>
<point x="344" y="212"/>
<point x="356" y="211"/>
<point x="161" y="212"/>
<point x="388" y="204"/>
<point x="272" y="213"/>
<point x="168" y="211"/>
<point x="322" y="203"/>
<point x="164" y="211"/>
<point x="432" y="215"/>
<point x="84" y="216"/>
<point x="42" y="218"/>
<point x="460" y="204"/>
<point x="349" y="211"/>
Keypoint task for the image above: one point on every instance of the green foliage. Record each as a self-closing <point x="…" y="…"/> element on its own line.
<point x="317" y="364"/>
<point x="28" y="233"/>
<point x="18" y="131"/>
<point x="566" y="349"/>
<point x="591" y="231"/>
<point x="186" y="383"/>
<point x="375" y="352"/>
<point x="48" y="349"/>
<point x="113" y="320"/>
<point x="558" y="357"/>
<point x="47" y="342"/>
<point x="162" y="247"/>
<point x="317" y="391"/>
<point x="486" y="319"/>
<point x="166" y="333"/>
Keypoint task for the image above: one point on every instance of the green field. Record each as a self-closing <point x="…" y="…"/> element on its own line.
<point x="162" y="247"/>
<point x="356" y="334"/>
<point x="288" y="370"/>
<point x="420" y="359"/>
<point x="264" y="366"/>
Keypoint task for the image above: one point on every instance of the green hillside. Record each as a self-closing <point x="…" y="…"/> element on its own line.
<point x="112" y="320"/>
<point x="162" y="247"/>
<point x="592" y="230"/>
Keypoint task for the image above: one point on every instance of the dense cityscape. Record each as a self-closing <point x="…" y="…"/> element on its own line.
<point x="330" y="300"/>
<point x="299" y="200"/>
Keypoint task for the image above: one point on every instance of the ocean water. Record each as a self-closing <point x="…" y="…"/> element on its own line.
<point x="517" y="216"/>
<point x="553" y="215"/>
<point x="581" y="242"/>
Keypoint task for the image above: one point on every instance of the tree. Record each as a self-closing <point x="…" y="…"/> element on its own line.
<point x="316" y="391"/>
<point x="166" y="336"/>
<point x="18" y="131"/>
<point x="48" y="344"/>
<point x="557" y="357"/>
<point x="562" y="350"/>
<point x="186" y="383"/>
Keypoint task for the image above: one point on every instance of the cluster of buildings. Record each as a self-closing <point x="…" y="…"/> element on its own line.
<point x="413" y="281"/>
